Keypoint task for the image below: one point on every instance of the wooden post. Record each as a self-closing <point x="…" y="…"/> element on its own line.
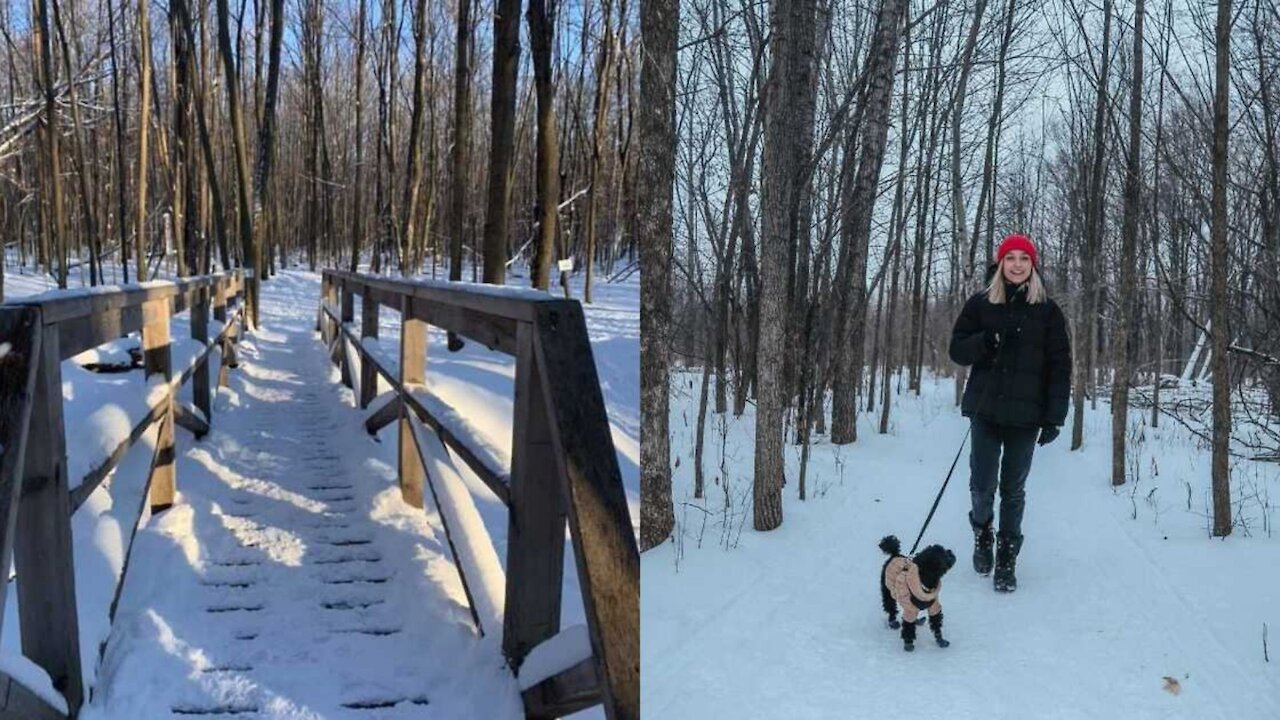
<point x="43" y="556"/>
<point x="22" y="330"/>
<point x="348" y="315"/>
<point x="322" y="322"/>
<point x="220" y="287"/>
<point x="604" y="542"/>
<point x="413" y="370"/>
<point x="368" y="329"/>
<point x="220" y="298"/>
<point x="535" y="535"/>
<point x="156" y="358"/>
<point x="200" y="333"/>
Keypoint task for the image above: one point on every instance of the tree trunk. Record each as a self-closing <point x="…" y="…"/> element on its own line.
<point x="659" y="24"/>
<point x="1128" y="271"/>
<point x="413" y="168"/>
<point x="144" y="122"/>
<point x="858" y="205"/>
<point x="597" y="141"/>
<point x="542" y="24"/>
<point x="506" y="61"/>
<point x="1219" y="257"/>
<point x="1095" y="207"/>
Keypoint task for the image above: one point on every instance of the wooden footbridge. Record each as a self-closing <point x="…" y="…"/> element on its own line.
<point x="563" y="472"/>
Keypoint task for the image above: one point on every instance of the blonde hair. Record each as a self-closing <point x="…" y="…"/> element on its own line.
<point x="1035" y="288"/>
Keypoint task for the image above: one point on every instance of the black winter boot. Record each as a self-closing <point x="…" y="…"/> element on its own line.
<point x="983" y="539"/>
<point x="1007" y="547"/>
<point x="909" y="636"/>
<point x="935" y="624"/>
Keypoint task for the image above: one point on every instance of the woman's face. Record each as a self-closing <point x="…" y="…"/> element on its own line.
<point x="1016" y="267"/>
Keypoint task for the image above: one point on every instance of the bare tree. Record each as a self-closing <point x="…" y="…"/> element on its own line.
<point x="502" y="108"/>
<point x="656" y="138"/>
<point x="1218" y="293"/>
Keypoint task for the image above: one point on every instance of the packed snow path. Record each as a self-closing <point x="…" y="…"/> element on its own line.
<point x="1117" y="590"/>
<point x="290" y="580"/>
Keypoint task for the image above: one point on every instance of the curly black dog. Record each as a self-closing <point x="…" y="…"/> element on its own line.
<point x="914" y="584"/>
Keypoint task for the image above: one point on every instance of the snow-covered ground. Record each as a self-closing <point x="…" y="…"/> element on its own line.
<point x="1120" y="591"/>
<point x="290" y="581"/>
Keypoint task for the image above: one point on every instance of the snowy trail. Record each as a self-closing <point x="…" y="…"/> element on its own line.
<point x="788" y="624"/>
<point x="290" y="581"/>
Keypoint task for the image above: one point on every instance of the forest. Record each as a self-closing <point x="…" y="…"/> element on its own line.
<point x="160" y="139"/>
<point x="846" y="170"/>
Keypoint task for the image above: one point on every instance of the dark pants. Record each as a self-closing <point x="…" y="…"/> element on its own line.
<point x="985" y="458"/>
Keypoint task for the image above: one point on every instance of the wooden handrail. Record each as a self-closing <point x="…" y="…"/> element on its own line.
<point x="36" y="335"/>
<point x="564" y="469"/>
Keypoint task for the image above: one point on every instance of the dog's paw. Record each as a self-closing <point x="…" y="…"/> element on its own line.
<point x="908" y="646"/>
<point x="943" y="642"/>
<point x="894" y="624"/>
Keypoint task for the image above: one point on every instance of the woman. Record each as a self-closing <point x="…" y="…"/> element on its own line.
<point x="1015" y="338"/>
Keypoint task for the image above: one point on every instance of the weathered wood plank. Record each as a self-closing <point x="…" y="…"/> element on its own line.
<point x="79" y="334"/>
<point x="536" y="521"/>
<point x="493" y="477"/>
<point x="100" y="301"/>
<point x="94" y="478"/>
<point x="577" y="688"/>
<point x="444" y="521"/>
<point x="18" y="702"/>
<point x="384" y="415"/>
<point x="482" y="299"/>
<point x="43" y="556"/>
<point x="220" y="299"/>
<point x="368" y="329"/>
<point x="604" y="541"/>
<point x="19" y="360"/>
<point x="187" y="419"/>
<point x="413" y="369"/>
<point x="157" y="360"/>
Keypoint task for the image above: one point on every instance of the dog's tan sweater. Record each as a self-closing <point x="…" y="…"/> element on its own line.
<point x="902" y="577"/>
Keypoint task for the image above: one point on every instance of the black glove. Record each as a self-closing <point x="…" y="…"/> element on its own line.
<point x="1048" y="433"/>
<point x="991" y="338"/>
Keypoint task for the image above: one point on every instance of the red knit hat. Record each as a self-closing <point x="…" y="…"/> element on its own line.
<point x="1017" y="242"/>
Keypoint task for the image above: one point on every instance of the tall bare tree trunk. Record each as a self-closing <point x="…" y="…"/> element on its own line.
<point x="413" y="167"/>
<point x="542" y="25"/>
<point x="1128" y="270"/>
<point x="1219" y="259"/>
<point x="656" y="137"/>
<point x="122" y="178"/>
<point x="1095" y="217"/>
<point x="790" y="87"/>
<point x="594" y="191"/>
<point x="506" y="61"/>
<point x="856" y="223"/>
<point x="357" y="213"/>
<point x="144" y="122"/>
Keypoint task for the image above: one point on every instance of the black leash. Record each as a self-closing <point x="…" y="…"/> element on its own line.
<point x="938" y="499"/>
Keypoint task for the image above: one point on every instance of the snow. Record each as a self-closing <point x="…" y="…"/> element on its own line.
<point x="1118" y="589"/>
<point x="472" y="545"/>
<point x="555" y="655"/>
<point x="33" y="677"/>
<point x="290" y="580"/>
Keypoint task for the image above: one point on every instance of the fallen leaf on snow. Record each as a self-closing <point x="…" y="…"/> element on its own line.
<point x="1171" y="685"/>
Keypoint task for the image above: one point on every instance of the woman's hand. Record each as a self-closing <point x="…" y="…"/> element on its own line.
<point x="1048" y="433"/>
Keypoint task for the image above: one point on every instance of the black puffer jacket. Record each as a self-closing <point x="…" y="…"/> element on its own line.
<point x="1026" y="380"/>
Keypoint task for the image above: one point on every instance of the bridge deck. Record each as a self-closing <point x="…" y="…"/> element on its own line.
<point x="291" y="580"/>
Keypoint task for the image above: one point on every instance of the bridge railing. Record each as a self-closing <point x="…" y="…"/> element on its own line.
<point x="563" y="469"/>
<point x="37" y="499"/>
